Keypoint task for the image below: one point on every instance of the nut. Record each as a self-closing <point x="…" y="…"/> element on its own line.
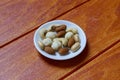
<point x="49" y="50"/>
<point x="76" y="38"/>
<point x="43" y="31"/>
<point x="64" y="41"/>
<point x="52" y="28"/>
<point x="75" y="47"/>
<point x="51" y="35"/>
<point x="71" y="42"/>
<point x="41" y="45"/>
<point x="61" y="33"/>
<point x="72" y="30"/>
<point x="56" y="38"/>
<point x="56" y="45"/>
<point x="60" y="28"/>
<point x="63" y="51"/>
<point x="47" y="42"/>
<point x="68" y="35"/>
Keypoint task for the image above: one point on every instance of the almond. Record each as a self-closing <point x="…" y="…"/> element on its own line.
<point x="49" y="50"/>
<point x="61" y="33"/>
<point x="60" y="28"/>
<point x="52" y="28"/>
<point x="71" y="42"/>
<point x="63" y="51"/>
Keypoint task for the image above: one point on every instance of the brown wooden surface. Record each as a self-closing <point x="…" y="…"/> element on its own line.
<point x="104" y="67"/>
<point x="19" y="17"/>
<point x="19" y="60"/>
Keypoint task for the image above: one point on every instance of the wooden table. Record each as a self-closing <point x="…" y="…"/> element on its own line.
<point x="19" y="19"/>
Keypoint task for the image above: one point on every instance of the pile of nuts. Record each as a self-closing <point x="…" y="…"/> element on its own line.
<point x="59" y="38"/>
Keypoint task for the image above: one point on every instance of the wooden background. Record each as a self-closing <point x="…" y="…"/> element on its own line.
<point x="100" y="19"/>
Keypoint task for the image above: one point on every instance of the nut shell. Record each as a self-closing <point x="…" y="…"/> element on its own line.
<point x="49" y="50"/>
<point x="68" y="35"/>
<point x="76" y="38"/>
<point x="75" y="47"/>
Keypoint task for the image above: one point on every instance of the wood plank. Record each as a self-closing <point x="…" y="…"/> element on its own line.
<point x="100" y="22"/>
<point x="22" y="58"/>
<point x="19" y="17"/>
<point x="104" y="67"/>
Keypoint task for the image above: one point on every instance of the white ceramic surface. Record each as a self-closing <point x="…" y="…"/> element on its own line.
<point x="57" y="56"/>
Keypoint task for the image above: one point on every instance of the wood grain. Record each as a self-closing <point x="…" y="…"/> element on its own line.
<point x="100" y="22"/>
<point x="19" y="17"/>
<point x="20" y="61"/>
<point x="104" y="67"/>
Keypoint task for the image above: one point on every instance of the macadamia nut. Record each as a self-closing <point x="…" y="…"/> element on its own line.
<point x="47" y="42"/>
<point x="68" y="35"/>
<point x="50" y="35"/>
<point x="56" y="45"/>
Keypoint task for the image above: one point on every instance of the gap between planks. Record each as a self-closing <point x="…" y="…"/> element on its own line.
<point x="100" y="53"/>
<point x="41" y="24"/>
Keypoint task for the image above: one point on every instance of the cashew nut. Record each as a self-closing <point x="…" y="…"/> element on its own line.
<point x="41" y="45"/>
<point x="72" y="30"/>
<point x="64" y="41"/>
<point x="43" y="31"/>
<point x="56" y="39"/>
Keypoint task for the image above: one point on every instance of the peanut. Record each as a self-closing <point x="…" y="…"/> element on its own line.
<point x="75" y="47"/>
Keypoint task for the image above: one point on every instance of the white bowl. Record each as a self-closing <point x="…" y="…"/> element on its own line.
<point x="57" y="56"/>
